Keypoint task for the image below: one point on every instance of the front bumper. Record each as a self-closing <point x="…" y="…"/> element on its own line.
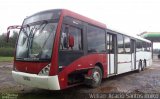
<point x="34" y="80"/>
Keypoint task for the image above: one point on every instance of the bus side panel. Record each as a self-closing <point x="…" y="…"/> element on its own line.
<point x="148" y="57"/>
<point x="110" y="63"/>
<point x="124" y="63"/>
<point x="143" y="55"/>
<point x="85" y="62"/>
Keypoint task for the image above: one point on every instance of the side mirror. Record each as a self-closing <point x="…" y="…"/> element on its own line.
<point x="7" y="37"/>
<point x="11" y="27"/>
<point x="71" y="41"/>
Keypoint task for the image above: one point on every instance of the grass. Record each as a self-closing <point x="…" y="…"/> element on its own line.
<point x="6" y="59"/>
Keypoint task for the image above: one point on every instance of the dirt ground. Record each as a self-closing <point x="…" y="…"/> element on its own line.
<point x="147" y="81"/>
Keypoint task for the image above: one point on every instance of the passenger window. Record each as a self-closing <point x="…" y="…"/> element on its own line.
<point x="144" y="46"/>
<point x="132" y="46"/>
<point x="76" y="33"/>
<point x="127" y="44"/>
<point x="110" y="43"/>
<point x="120" y="43"/>
<point x="96" y="39"/>
<point x="139" y="45"/>
<point x="150" y="46"/>
<point x="147" y="47"/>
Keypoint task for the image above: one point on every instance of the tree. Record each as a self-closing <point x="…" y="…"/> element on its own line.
<point x="12" y="40"/>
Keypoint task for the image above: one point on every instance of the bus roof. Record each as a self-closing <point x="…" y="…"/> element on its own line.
<point x="82" y="18"/>
<point x="66" y="12"/>
<point x="132" y="36"/>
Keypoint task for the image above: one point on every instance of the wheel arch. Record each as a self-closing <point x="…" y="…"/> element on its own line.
<point x="101" y="66"/>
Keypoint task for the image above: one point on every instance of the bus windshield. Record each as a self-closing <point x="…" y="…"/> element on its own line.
<point x="36" y="41"/>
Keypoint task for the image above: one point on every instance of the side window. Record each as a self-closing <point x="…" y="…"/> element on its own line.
<point x="77" y="34"/>
<point x="120" y="43"/>
<point x="96" y="39"/>
<point x="74" y="32"/>
<point x="148" y="47"/>
<point x="132" y="46"/>
<point x="110" y="43"/>
<point x="138" y="45"/>
<point x="127" y="44"/>
<point x="64" y="34"/>
<point x="144" y="46"/>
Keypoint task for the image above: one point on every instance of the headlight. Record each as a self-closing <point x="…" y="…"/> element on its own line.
<point x="45" y="70"/>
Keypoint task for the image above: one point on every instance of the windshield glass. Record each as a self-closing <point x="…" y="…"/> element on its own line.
<point x="36" y="41"/>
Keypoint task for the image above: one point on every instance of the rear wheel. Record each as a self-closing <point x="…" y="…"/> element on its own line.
<point x="96" y="77"/>
<point x="144" y="64"/>
<point x="140" y="66"/>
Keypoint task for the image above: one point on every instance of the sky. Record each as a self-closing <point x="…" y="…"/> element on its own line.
<point x="126" y="16"/>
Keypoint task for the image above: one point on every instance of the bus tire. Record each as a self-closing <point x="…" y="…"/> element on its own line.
<point x="140" y="66"/>
<point x="96" y="77"/>
<point x="144" y="64"/>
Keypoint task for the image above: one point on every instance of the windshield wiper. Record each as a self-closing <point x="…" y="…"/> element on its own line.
<point x="45" y="22"/>
<point x="36" y="29"/>
<point x="32" y="34"/>
<point x="25" y="32"/>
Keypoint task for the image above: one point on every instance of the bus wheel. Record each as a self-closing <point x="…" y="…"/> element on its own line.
<point x="144" y="64"/>
<point x="96" y="77"/>
<point x="140" y="66"/>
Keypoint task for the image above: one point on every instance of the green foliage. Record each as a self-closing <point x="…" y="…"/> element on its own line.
<point x="7" y="48"/>
<point x="6" y="51"/>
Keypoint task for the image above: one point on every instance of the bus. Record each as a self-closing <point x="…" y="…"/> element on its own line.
<point x="58" y="49"/>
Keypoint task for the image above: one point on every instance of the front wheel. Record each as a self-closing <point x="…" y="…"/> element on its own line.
<point x="96" y="77"/>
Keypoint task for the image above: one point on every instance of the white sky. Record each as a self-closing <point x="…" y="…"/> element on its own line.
<point x="127" y="16"/>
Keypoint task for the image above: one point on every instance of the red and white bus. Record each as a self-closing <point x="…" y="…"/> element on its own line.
<point x="57" y="49"/>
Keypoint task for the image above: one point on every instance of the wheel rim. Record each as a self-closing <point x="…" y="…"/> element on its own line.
<point x="144" y="64"/>
<point x="96" y="76"/>
<point x="140" y="66"/>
